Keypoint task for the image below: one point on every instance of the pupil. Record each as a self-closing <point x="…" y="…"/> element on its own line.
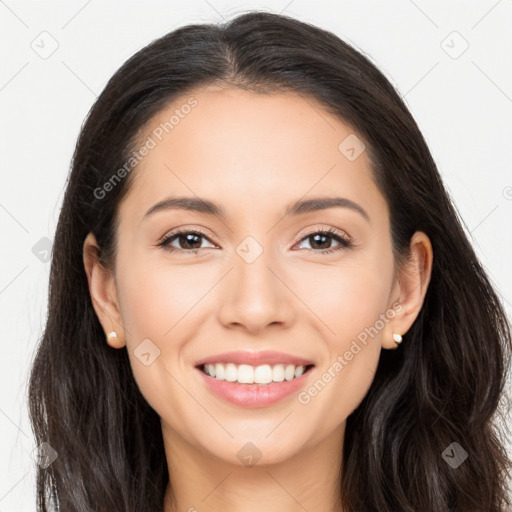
<point x="321" y="236"/>
<point x="190" y="236"/>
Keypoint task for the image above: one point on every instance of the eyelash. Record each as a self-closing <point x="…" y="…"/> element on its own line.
<point x="344" y="241"/>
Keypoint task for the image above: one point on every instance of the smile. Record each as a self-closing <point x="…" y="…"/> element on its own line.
<point x="247" y="374"/>
<point x="244" y="390"/>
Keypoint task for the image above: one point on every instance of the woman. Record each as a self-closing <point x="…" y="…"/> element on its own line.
<point x="335" y="346"/>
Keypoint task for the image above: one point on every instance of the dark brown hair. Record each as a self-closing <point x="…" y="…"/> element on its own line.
<point x="441" y="386"/>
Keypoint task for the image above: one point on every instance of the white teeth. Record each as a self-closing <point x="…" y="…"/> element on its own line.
<point x="262" y="374"/>
<point x="230" y="373"/>
<point x="278" y="373"/>
<point x="219" y="372"/>
<point x="289" y="372"/>
<point x="211" y="369"/>
<point x="246" y="374"/>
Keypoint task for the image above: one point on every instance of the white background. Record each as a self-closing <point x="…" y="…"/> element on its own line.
<point x="463" y="106"/>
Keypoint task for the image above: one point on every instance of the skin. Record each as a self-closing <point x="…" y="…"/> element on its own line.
<point x="254" y="154"/>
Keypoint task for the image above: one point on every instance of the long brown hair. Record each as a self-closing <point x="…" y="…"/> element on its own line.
<point x="442" y="385"/>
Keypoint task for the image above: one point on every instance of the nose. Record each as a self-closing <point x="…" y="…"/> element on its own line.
<point x="256" y="295"/>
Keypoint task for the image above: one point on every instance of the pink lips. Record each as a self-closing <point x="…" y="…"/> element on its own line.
<point x="255" y="358"/>
<point x="255" y="395"/>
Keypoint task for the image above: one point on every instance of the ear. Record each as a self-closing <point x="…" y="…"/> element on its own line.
<point x="411" y="287"/>
<point x="103" y="292"/>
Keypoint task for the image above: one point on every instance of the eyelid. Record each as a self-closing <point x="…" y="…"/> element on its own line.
<point x="346" y="240"/>
<point x="329" y="229"/>
<point x="186" y="228"/>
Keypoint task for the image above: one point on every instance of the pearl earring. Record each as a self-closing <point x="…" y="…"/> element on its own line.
<point x="397" y="338"/>
<point x="111" y="335"/>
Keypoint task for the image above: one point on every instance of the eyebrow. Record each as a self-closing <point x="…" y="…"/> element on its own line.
<point x="297" y="208"/>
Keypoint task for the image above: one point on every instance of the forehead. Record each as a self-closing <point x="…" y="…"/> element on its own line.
<point x="249" y="149"/>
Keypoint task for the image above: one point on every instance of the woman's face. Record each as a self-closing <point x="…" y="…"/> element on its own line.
<point x="260" y="277"/>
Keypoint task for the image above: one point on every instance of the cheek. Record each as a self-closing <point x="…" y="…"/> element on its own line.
<point x="348" y="298"/>
<point x="157" y="295"/>
<point x="350" y="301"/>
<point x="339" y="388"/>
<point x="160" y="310"/>
<point x="353" y="346"/>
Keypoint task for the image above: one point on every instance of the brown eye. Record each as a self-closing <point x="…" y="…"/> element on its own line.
<point x="323" y="240"/>
<point x="188" y="241"/>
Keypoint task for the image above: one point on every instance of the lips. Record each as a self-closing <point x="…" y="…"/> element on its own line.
<point x="269" y="357"/>
<point x="255" y="395"/>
